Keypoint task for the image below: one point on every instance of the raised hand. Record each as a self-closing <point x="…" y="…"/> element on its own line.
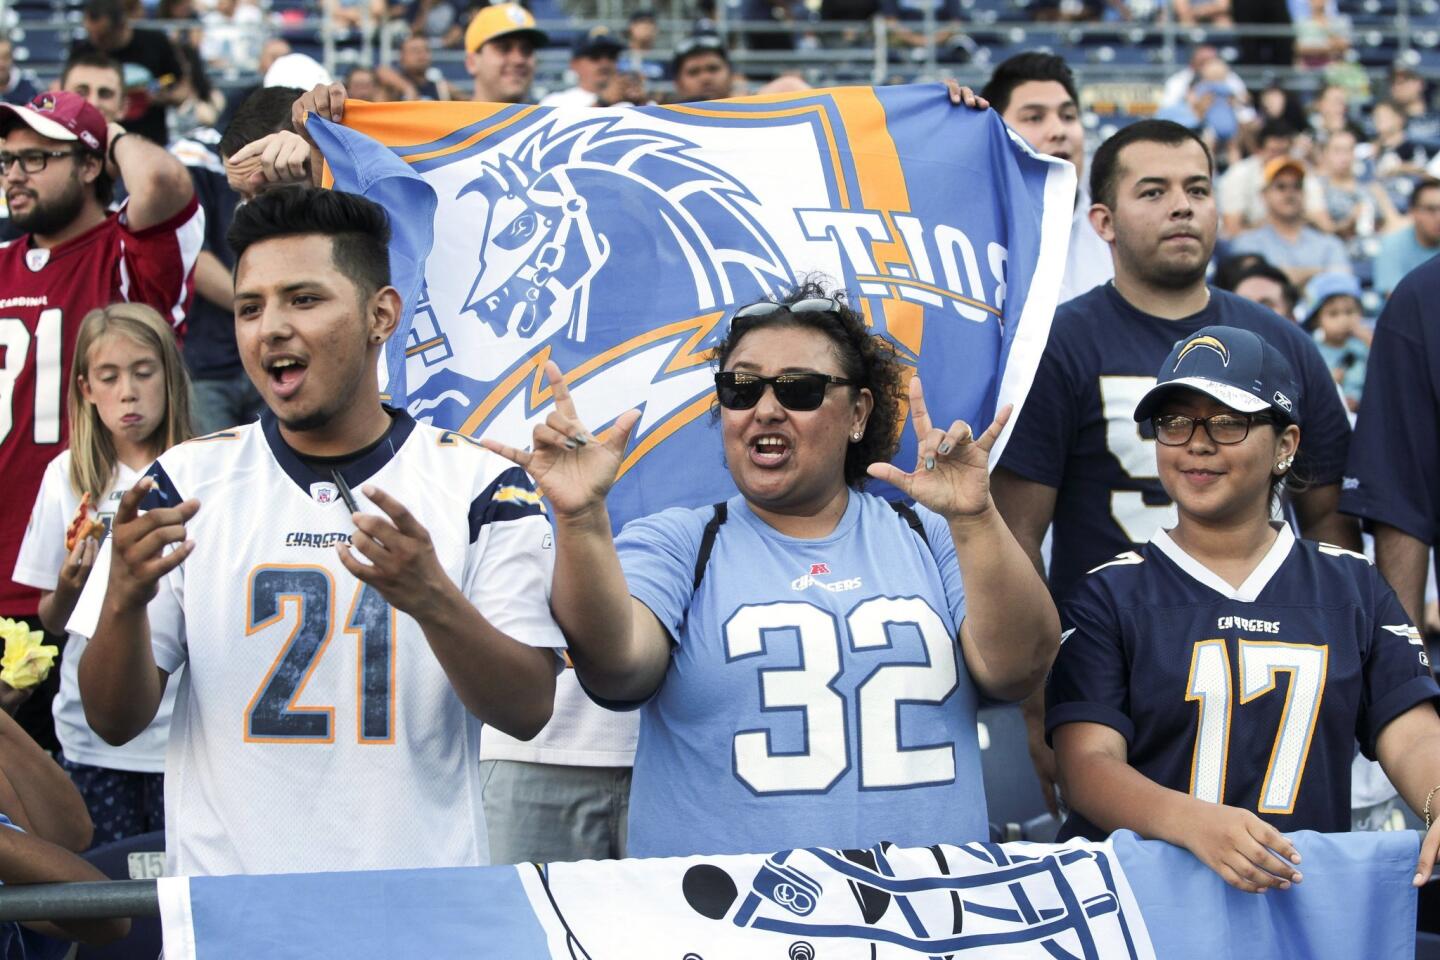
<point x="281" y="157"/>
<point x="965" y="95"/>
<point x="326" y="99"/>
<point x="138" y="545"/>
<point x="1247" y="853"/>
<point x="573" y="470"/>
<point x="952" y="469"/>
<point x="403" y="565"/>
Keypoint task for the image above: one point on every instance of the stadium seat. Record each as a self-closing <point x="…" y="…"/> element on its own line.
<point x="1375" y="49"/>
<point x="1120" y="55"/>
<point x="1012" y="791"/>
<point x="134" y="858"/>
<point x="452" y="67"/>
<point x="42" y="44"/>
<point x="1364" y="271"/>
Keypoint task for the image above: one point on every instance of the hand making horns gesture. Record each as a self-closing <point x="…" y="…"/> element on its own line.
<point x="952" y="468"/>
<point x="572" y="468"/>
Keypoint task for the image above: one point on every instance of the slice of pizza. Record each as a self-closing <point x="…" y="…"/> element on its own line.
<point x="83" y="525"/>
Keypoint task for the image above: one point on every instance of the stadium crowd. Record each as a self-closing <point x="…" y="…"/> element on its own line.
<point x="173" y="272"/>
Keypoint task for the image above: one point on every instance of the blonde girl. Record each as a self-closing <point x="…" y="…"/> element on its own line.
<point x="128" y="402"/>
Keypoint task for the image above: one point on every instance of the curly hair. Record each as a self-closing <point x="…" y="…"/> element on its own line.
<point x="866" y="358"/>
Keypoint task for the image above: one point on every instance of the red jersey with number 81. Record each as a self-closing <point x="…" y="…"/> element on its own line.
<point x="44" y="294"/>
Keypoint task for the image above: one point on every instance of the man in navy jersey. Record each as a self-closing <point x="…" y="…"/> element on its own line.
<point x="1393" y="478"/>
<point x="1077" y="458"/>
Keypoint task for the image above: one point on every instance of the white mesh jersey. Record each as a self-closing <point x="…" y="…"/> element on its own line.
<point x="314" y="729"/>
<point x="42" y="553"/>
<point x="581" y="733"/>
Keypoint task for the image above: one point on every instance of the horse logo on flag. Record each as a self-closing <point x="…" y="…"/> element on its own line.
<point x="571" y="214"/>
<point x="578" y="213"/>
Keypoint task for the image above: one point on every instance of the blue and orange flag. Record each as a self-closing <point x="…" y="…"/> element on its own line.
<point x="618" y="242"/>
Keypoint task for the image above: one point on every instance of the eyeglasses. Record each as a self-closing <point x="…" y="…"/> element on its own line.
<point x="31" y="161"/>
<point x="1174" y="430"/>
<point x="795" y="391"/>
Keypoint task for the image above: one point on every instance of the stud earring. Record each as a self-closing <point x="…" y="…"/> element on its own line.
<point x="855" y="437"/>
<point x="1284" y="465"/>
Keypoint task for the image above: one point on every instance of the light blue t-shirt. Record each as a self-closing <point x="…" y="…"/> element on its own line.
<point x="1399" y="253"/>
<point x="1312" y="249"/>
<point x="1351" y="356"/>
<point x="816" y="694"/>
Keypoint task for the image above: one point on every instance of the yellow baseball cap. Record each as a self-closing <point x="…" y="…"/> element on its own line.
<point x="1279" y="165"/>
<point x="500" y="20"/>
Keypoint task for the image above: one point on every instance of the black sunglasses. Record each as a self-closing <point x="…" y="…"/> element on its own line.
<point x="700" y="42"/>
<point x="767" y="308"/>
<point x="795" y="391"/>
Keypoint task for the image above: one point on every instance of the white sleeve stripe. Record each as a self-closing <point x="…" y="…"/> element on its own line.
<point x="190" y="237"/>
<point x="189" y="240"/>
<point x="124" y="274"/>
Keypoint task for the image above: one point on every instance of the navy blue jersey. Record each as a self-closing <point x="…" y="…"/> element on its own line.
<point x="1076" y="431"/>
<point x="1251" y="696"/>
<point x="210" y="351"/>
<point x="1394" y="471"/>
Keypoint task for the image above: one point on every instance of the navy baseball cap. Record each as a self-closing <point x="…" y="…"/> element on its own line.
<point x="1234" y="366"/>
<point x="598" y="45"/>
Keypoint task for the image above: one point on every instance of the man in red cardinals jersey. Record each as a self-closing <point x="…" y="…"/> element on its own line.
<point x="58" y="164"/>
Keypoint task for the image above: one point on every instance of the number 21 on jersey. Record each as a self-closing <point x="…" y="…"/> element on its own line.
<point x="810" y="687"/>
<point x="306" y="596"/>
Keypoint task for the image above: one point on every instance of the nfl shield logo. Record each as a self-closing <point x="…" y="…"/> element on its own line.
<point x="816" y="569"/>
<point x="324" y="492"/>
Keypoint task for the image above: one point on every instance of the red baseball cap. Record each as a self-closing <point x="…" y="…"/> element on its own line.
<point x="61" y="115"/>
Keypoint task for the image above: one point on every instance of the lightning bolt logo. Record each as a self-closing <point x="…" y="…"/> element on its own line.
<point x="1204" y="343"/>
<point x="674" y="359"/>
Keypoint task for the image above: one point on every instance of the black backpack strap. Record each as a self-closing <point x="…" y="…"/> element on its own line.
<point x="911" y="517"/>
<point x="707" y="540"/>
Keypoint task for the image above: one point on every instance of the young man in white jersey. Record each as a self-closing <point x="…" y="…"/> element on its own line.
<point x="424" y="558"/>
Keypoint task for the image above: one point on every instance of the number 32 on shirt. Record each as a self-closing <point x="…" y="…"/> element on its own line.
<point x="810" y="688"/>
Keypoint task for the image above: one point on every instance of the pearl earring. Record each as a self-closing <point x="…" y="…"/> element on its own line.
<point x="1284" y="465"/>
<point x="855" y="437"/>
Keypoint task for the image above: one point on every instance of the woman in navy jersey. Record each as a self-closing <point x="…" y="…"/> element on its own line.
<point x="1211" y="685"/>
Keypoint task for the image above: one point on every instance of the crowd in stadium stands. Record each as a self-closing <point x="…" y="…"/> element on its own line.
<point x="158" y="180"/>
